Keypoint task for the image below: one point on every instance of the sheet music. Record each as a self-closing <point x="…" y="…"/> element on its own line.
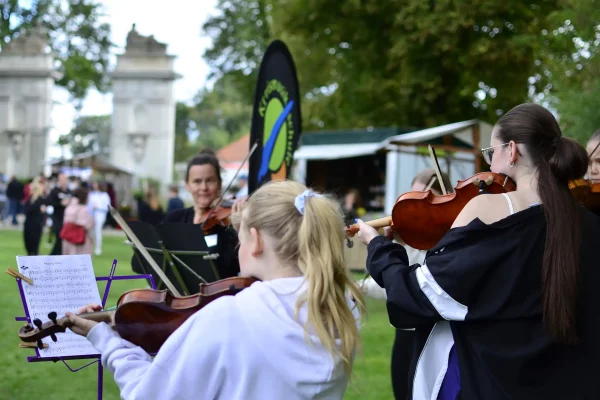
<point x="60" y="284"/>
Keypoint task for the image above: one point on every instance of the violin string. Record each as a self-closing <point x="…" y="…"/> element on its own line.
<point x="228" y="186"/>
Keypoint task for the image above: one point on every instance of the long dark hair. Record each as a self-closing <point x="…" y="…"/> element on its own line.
<point x="558" y="159"/>
<point x="205" y="156"/>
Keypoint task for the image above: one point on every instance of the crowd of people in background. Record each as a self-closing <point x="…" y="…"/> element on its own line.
<point x="48" y="203"/>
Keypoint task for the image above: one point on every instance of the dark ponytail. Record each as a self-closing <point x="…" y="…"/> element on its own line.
<point x="558" y="159"/>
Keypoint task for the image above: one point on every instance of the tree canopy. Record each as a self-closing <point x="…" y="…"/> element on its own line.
<point x="90" y="133"/>
<point x="81" y="43"/>
<point x="416" y="63"/>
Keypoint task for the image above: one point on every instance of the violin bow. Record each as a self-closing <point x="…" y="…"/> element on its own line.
<point x="230" y="183"/>
<point x="115" y="214"/>
<point x="436" y="166"/>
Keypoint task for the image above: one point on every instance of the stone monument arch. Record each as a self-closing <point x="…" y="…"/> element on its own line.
<point x="27" y="78"/>
<point x="143" y="123"/>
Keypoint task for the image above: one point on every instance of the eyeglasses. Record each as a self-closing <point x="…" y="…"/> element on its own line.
<point x="488" y="152"/>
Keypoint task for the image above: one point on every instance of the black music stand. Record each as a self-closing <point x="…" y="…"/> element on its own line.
<point x="148" y="237"/>
<point x="187" y="252"/>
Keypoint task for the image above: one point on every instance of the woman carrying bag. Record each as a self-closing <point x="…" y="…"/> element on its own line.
<point x="78" y="226"/>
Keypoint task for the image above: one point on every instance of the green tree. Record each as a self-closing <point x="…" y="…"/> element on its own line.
<point x="411" y="62"/>
<point x="184" y="129"/>
<point x="240" y="36"/>
<point x="81" y="43"/>
<point x="572" y="67"/>
<point x="90" y="133"/>
<point x="222" y="113"/>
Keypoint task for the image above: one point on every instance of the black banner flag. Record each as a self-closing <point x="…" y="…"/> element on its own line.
<point x="276" y="119"/>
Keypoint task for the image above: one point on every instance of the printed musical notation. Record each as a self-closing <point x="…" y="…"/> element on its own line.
<point x="60" y="284"/>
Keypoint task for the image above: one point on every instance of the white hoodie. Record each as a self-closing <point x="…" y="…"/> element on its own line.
<point x="247" y="346"/>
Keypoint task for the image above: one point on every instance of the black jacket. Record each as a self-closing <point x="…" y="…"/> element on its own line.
<point x="481" y="287"/>
<point x="55" y="198"/>
<point x="227" y="263"/>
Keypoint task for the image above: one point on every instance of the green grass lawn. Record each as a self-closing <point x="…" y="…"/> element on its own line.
<point x="50" y="381"/>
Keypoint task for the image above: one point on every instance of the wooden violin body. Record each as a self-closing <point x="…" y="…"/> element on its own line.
<point x="587" y="193"/>
<point x="219" y="217"/>
<point x="421" y="219"/>
<point x="144" y="317"/>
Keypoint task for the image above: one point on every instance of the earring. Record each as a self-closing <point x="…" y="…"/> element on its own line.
<point x="512" y="164"/>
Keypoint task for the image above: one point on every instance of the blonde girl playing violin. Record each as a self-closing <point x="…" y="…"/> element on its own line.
<point x="293" y="335"/>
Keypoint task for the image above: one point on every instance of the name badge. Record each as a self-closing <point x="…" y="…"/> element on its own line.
<point x="211" y="240"/>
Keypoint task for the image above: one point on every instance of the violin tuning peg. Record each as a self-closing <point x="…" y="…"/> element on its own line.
<point x="27" y="328"/>
<point x="40" y="344"/>
<point x="53" y="337"/>
<point x="349" y="243"/>
<point x="52" y="316"/>
<point x="38" y="323"/>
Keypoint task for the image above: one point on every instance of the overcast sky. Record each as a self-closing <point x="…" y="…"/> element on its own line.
<point x="176" y="23"/>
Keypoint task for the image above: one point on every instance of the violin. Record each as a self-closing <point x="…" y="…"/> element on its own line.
<point x="218" y="216"/>
<point x="421" y="219"/>
<point x="587" y="193"/>
<point x="144" y="317"/>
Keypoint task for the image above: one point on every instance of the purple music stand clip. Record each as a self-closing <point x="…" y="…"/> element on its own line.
<point x="111" y="277"/>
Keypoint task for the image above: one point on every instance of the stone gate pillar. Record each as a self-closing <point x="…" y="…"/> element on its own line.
<point x="143" y="121"/>
<point x="26" y="84"/>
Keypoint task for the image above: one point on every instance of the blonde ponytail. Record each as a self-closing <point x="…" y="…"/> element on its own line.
<point x="321" y="259"/>
<point x="313" y="242"/>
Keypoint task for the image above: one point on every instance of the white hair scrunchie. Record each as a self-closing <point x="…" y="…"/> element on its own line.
<point x="300" y="201"/>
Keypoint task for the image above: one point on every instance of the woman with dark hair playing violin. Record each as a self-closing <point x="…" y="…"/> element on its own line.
<point x="203" y="182"/>
<point x="511" y="287"/>
<point x="292" y="335"/>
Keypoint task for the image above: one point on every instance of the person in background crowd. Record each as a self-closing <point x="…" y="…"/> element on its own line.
<point x="14" y="194"/>
<point x="74" y="183"/>
<point x="98" y="203"/>
<point x="59" y="198"/>
<point x="175" y="202"/>
<point x="593" y="149"/>
<point x="35" y="217"/>
<point x="150" y="210"/>
<point x="243" y="186"/>
<point x="3" y="200"/>
<point x="353" y="207"/>
<point x="77" y="213"/>
<point x="110" y="190"/>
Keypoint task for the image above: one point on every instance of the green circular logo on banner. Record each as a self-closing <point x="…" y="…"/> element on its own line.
<point x="272" y="105"/>
<point x="274" y="109"/>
